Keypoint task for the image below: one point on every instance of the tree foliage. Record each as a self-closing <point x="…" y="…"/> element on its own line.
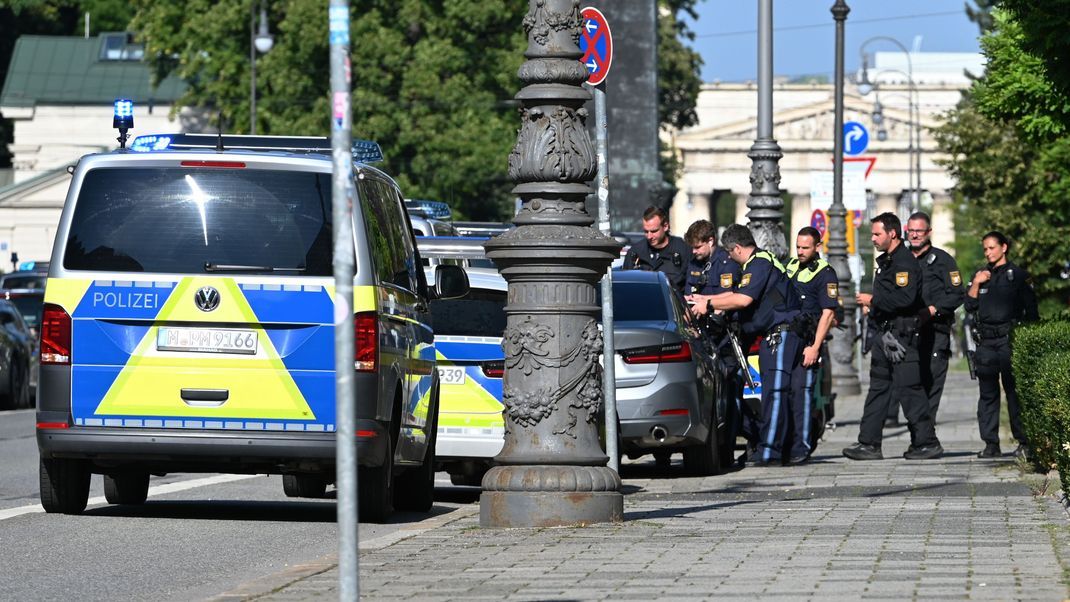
<point x="981" y="14"/>
<point x="1043" y="26"/>
<point x="679" y="66"/>
<point x="433" y="80"/>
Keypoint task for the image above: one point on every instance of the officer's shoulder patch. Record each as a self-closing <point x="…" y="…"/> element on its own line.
<point x="832" y="289"/>
<point x="956" y="279"/>
<point x="726" y="280"/>
<point x="902" y="278"/>
<point x="745" y="280"/>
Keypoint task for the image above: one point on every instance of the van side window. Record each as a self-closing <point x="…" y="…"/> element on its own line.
<point x="385" y="227"/>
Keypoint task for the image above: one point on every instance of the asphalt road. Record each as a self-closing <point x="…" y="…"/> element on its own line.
<point x="195" y="537"/>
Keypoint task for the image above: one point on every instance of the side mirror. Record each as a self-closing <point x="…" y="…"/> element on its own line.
<point x="451" y="282"/>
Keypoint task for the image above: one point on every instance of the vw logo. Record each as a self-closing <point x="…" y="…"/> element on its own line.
<point x="207" y="298"/>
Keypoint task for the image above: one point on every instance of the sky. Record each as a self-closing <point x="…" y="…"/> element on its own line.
<point x="804" y="34"/>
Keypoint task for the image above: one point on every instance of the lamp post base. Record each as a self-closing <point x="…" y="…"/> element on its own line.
<point x="550" y="496"/>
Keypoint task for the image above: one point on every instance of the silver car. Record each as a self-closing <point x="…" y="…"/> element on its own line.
<point x="671" y="394"/>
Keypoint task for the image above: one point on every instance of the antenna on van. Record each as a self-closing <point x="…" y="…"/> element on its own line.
<point x="219" y="137"/>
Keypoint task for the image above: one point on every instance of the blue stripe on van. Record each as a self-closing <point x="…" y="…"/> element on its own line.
<point x="282" y="304"/>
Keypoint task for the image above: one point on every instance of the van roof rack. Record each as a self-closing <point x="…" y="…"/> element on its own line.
<point x="364" y="151"/>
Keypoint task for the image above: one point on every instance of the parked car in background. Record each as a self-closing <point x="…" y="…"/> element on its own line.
<point x="17" y="346"/>
<point x="671" y="392"/>
<point x="30" y="304"/>
<point x="24" y="280"/>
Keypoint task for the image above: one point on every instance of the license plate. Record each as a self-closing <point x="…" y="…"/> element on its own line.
<point x="206" y="340"/>
<point x="451" y="375"/>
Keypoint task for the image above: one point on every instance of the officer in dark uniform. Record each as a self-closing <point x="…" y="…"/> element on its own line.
<point x="660" y="251"/>
<point x="768" y="308"/>
<point x="894" y="370"/>
<point x="943" y="292"/>
<point x="1000" y="296"/>
<point x="816" y="282"/>
<point x="711" y="271"/>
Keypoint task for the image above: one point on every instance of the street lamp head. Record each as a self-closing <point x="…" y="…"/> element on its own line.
<point x="264" y="40"/>
<point x="878" y="113"/>
<point x="882" y="134"/>
<point x="864" y="85"/>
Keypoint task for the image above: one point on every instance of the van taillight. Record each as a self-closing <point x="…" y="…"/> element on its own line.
<point x="755" y="347"/>
<point x="493" y="369"/>
<point x="366" y="331"/>
<point x="55" y="336"/>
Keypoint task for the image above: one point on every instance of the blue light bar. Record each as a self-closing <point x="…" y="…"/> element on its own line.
<point x="144" y="144"/>
<point x="432" y="209"/>
<point x="366" y="151"/>
<point x="124" y="114"/>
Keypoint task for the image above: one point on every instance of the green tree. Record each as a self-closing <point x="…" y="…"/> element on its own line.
<point x="981" y="14"/>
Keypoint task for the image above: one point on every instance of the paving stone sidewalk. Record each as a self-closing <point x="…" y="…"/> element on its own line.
<point x="954" y="528"/>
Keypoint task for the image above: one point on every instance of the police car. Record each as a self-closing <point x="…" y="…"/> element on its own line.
<point x="188" y="324"/>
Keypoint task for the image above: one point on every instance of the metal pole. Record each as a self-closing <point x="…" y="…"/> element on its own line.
<point x="841" y="350"/>
<point x="917" y="133"/>
<point x="609" y="353"/>
<point x="252" y="68"/>
<point x="765" y="203"/>
<point x="342" y="213"/>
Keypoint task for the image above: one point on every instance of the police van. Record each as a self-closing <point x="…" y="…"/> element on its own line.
<point x="188" y="324"/>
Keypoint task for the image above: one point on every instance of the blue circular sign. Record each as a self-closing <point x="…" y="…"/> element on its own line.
<point x="855" y="138"/>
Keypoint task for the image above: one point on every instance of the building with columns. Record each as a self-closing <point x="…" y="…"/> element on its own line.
<point x="715" y="177"/>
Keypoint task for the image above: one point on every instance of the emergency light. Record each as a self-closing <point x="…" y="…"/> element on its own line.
<point x="144" y="144"/>
<point x="123" y="119"/>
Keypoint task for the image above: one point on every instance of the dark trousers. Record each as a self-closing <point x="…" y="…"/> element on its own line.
<point x="803" y="381"/>
<point x="993" y="359"/>
<point x="776" y="365"/>
<point x="935" y="351"/>
<point x="900" y="381"/>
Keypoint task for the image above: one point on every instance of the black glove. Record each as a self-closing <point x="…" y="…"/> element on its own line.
<point x="893" y="349"/>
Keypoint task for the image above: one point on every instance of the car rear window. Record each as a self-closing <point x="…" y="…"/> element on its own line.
<point x="190" y="220"/>
<point x="480" y="313"/>
<point x="30" y="306"/>
<point x="31" y="281"/>
<point x="634" y="301"/>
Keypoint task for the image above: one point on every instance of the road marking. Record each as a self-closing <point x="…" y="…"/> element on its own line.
<point x="153" y="491"/>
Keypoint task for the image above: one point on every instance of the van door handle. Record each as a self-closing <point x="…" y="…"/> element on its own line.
<point x="205" y="397"/>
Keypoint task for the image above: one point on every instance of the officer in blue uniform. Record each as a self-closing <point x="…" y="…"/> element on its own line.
<point x="895" y="370"/>
<point x="818" y="286"/>
<point x="1000" y="297"/>
<point x="711" y="271"/>
<point x="659" y="251"/>
<point x="769" y="309"/>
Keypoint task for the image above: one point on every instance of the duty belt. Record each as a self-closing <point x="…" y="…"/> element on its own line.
<point x="993" y="331"/>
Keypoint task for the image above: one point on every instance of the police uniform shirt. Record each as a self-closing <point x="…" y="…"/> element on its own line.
<point x="817" y="285"/>
<point x="763" y="280"/>
<point x="1006" y="297"/>
<point x="672" y="260"/>
<point x="713" y="276"/>
<point x="896" y="285"/>
<point x="941" y="284"/>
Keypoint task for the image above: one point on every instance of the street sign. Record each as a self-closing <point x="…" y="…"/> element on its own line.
<point x="854" y="189"/>
<point x="855" y="138"/>
<point x="596" y="43"/>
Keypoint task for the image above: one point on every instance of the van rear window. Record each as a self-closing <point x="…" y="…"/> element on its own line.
<point x="187" y="220"/>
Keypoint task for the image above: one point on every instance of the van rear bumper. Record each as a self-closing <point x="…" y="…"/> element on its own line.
<point x="208" y="451"/>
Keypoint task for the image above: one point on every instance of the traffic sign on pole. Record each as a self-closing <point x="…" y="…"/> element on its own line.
<point x="855" y="138"/>
<point x="596" y="43"/>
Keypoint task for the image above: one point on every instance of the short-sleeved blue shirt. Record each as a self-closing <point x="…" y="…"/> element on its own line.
<point x="712" y="276"/>
<point x="817" y="285"/>
<point x="765" y="281"/>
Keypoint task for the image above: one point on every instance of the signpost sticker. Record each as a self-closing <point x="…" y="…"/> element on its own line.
<point x="596" y="43"/>
<point x="855" y="138"/>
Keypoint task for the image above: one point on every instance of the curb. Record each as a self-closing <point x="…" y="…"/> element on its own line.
<point x="274" y="582"/>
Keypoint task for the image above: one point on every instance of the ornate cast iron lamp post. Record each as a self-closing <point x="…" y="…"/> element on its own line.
<point x="552" y="470"/>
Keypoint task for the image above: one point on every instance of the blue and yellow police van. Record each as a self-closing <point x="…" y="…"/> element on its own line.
<point x="188" y="324"/>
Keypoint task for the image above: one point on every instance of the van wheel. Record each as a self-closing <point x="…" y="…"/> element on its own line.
<point x="129" y="488"/>
<point x="375" y="488"/>
<point x="415" y="488"/>
<point x="304" y="485"/>
<point x="64" y="485"/>
<point x="705" y="459"/>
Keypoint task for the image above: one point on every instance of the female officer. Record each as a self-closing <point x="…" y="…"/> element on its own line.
<point x="1000" y="296"/>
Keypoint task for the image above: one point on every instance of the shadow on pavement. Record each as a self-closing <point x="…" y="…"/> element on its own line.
<point x="253" y="511"/>
<point x="674" y="512"/>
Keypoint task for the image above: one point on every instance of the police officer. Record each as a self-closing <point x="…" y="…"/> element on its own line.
<point x="660" y="251"/>
<point x="816" y="282"/>
<point x="711" y="271"/>
<point x="768" y="308"/>
<point x="1001" y="296"/>
<point x="942" y="292"/>
<point x="894" y="370"/>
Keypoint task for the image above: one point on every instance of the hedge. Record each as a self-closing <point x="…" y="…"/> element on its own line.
<point x="1041" y="363"/>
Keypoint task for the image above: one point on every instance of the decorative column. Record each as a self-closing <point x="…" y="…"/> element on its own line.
<point x="552" y="470"/>
<point x="841" y="349"/>
<point x="766" y="219"/>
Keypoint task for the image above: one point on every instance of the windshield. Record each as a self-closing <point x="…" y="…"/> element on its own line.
<point x="480" y="313"/>
<point x="31" y="281"/>
<point x="188" y="220"/>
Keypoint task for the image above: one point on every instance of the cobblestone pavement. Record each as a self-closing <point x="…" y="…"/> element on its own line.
<point x="954" y="528"/>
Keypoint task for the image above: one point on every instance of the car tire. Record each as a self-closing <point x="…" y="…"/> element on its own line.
<point x="704" y="460"/>
<point x="126" y="489"/>
<point x="414" y="490"/>
<point x="64" y="485"/>
<point x="304" y="485"/>
<point x="7" y="397"/>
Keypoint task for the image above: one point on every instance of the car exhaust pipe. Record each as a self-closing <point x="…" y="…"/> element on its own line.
<point x="659" y="433"/>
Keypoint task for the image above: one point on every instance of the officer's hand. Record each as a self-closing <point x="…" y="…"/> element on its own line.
<point x="864" y="299"/>
<point x="810" y="355"/>
<point x="700" y="307"/>
<point x="982" y="276"/>
<point x="932" y="310"/>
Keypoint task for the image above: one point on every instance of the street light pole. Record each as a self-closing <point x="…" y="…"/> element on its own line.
<point x="913" y="150"/>
<point x="766" y="218"/>
<point x="841" y="350"/>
